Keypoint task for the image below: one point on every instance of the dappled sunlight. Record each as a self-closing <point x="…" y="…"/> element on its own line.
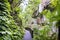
<point x="29" y="19"/>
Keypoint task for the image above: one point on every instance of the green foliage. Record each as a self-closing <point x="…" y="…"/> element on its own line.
<point x="8" y="28"/>
<point x="13" y="20"/>
<point x="51" y="14"/>
<point x="41" y="34"/>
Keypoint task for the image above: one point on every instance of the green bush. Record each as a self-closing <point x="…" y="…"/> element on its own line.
<point x="8" y="28"/>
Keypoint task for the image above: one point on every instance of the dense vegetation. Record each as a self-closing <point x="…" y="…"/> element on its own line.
<point x="9" y="30"/>
<point x="14" y="18"/>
